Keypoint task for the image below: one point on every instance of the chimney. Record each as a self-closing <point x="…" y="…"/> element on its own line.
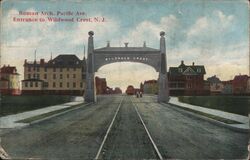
<point x="182" y="62"/>
<point x="42" y="61"/>
<point x="144" y="44"/>
<point x="193" y="63"/>
<point x="126" y="44"/>
<point x="25" y="61"/>
<point x="108" y="43"/>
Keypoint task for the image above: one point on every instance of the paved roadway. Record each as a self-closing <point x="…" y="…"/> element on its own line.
<point x="79" y="134"/>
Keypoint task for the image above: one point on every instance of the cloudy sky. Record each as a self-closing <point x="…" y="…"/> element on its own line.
<point x="210" y="33"/>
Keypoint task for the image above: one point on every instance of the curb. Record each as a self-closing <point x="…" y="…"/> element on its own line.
<point x="57" y="114"/>
<point x="218" y="123"/>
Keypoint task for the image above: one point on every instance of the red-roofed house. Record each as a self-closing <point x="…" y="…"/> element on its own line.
<point x="239" y="84"/>
<point x="9" y="81"/>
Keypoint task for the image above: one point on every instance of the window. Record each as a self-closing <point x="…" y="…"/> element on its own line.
<point x="45" y="76"/>
<point x="180" y="70"/>
<point x="61" y="76"/>
<point x="189" y="85"/>
<point x="45" y="69"/>
<point x="45" y="84"/>
<point x="38" y="69"/>
<point x="54" y="69"/>
<point x="61" y="69"/>
<point x="67" y="69"/>
<point x="29" y="76"/>
<point x="54" y="76"/>
<point x="74" y="84"/>
<point x="36" y="84"/>
<point x="34" y="75"/>
<point x="189" y="77"/>
<point x="54" y="84"/>
<point x="26" y="84"/>
<point x="38" y="76"/>
<point x="81" y="84"/>
<point x="198" y="70"/>
<point x="74" y="75"/>
<point x="74" y="69"/>
<point x="29" y="69"/>
<point x="61" y="84"/>
<point x="67" y="75"/>
<point x="68" y="84"/>
<point x="31" y="84"/>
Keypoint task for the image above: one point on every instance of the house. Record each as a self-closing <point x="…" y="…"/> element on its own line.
<point x="227" y="87"/>
<point x="150" y="87"/>
<point x="63" y="75"/>
<point x="101" y="85"/>
<point x="239" y="84"/>
<point x="216" y="86"/>
<point x="248" y="85"/>
<point x="186" y="80"/>
<point x="9" y="81"/>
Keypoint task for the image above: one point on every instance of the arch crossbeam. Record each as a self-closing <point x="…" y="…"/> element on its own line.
<point x="151" y="59"/>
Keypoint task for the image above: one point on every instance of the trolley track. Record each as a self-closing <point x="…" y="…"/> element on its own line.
<point x="127" y="136"/>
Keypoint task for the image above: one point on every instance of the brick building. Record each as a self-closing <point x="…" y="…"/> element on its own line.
<point x="239" y="84"/>
<point x="63" y="75"/>
<point x="187" y="80"/>
<point x="101" y="85"/>
<point x="150" y="87"/>
<point x="9" y="81"/>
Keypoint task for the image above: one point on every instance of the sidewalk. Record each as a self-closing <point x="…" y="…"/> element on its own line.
<point x="235" y="117"/>
<point x="10" y="120"/>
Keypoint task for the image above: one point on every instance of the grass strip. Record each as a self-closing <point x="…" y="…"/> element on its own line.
<point x="224" y="120"/>
<point x="44" y="115"/>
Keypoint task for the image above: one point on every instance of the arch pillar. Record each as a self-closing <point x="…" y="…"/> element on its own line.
<point x="90" y="95"/>
<point x="163" y="92"/>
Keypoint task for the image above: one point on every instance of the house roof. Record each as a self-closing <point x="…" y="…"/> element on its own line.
<point x="213" y="79"/>
<point x="240" y="78"/>
<point x="183" y="69"/>
<point x="8" y="70"/>
<point x="63" y="60"/>
<point x="150" y="81"/>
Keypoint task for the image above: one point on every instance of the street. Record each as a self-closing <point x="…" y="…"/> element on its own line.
<point x="80" y="134"/>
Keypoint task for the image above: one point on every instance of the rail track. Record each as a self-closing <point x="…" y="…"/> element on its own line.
<point x="112" y="127"/>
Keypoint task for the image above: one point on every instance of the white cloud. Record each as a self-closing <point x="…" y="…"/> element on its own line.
<point x="200" y="25"/>
<point x="210" y="25"/>
<point x="148" y="30"/>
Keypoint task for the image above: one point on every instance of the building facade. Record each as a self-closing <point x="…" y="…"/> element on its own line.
<point x="9" y="81"/>
<point x="101" y="85"/>
<point x="63" y="75"/>
<point x="239" y="84"/>
<point x="216" y="85"/>
<point x="227" y="87"/>
<point x="248" y="85"/>
<point x="187" y="80"/>
<point x="150" y="87"/>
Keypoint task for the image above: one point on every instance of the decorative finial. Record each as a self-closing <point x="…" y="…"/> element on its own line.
<point x="126" y="44"/>
<point x="91" y="33"/>
<point x="162" y="33"/>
